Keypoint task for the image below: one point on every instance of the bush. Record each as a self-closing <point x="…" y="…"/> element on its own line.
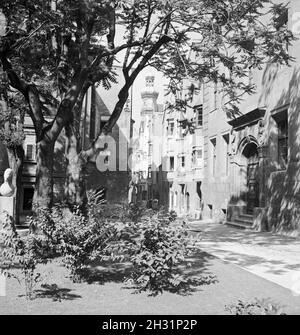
<point x="157" y="251"/>
<point x="23" y="253"/>
<point x="79" y="239"/>
<point x="146" y="238"/>
<point x="256" y="307"/>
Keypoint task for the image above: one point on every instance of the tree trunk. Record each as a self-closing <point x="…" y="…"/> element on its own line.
<point x="43" y="197"/>
<point x="75" y="186"/>
<point x="16" y="161"/>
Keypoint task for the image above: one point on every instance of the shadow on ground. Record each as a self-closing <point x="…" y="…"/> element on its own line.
<point x="54" y="292"/>
<point x="195" y="271"/>
<point x="247" y="248"/>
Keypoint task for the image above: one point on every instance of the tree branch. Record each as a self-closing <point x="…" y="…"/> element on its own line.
<point x="30" y="93"/>
<point x="123" y="96"/>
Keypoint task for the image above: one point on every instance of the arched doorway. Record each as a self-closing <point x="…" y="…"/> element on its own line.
<point x="250" y="155"/>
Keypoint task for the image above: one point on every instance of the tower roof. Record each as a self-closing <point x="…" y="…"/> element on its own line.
<point x="149" y="91"/>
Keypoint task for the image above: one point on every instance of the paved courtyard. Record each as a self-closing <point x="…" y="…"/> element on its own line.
<point x="273" y="257"/>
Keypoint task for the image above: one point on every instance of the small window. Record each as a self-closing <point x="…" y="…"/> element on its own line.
<point x="142" y="127"/>
<point x="197" y="157"/>
<point x="182" y="188"/>
<point x="182" y="161"/>
<point x="29" y="152"/>
<point x="150" y="149"/>
<point x="199" y="192"/>
<point x="199" y="116"/>
<point x="171" y="126"/>
<point x="28" y="193"/>
<point x="171" y="163"/>
<point x="149" y="172"/>
<point x="283" y="143"/>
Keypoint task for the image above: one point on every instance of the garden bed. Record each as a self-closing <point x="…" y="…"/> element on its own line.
<point x="104" y="292"/>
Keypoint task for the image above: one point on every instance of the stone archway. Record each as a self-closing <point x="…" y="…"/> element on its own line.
<point x="251" y="178"/>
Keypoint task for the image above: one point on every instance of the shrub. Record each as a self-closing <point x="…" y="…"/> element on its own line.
<point x="23" y="253"/>
<point x="256" y="307"/>
<point x="173" y="215"/>
<point x="157" y="251"/>
<point x="147" y="238"/>
<point x="79" y="239"/>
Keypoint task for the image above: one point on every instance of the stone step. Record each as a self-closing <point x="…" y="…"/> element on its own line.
<point x="239" y="225"/>
<point x="244" y="221"/>
<point x="247" y="216"/>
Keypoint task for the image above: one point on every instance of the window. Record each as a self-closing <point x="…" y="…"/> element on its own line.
<point x="150" y="149"/>
<point x="199" y="116"/>
<point x="199" y="192"/>
<point x="171" y="163"/>
<point x="281" y="119"/>
<point x="149" y="172"/>
<point x="28" y="193"/>
<point x="197" y="157"/>
<point x="182" y="188"/>
<point x="171" y="128"/>
<point x="182" y="161"/>
<point x="142" y="127"/>
<point x="29" y="152"/>
<point x="226" y="153"/>
<point x="283" y="143"/>
<point x="213" y="155"/>
<point x="187" y="197"/>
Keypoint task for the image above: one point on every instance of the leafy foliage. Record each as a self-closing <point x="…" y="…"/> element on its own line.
<point x="50" y="41"/>
<point x="158" y="250"/>
<point x="12" y="112"/>
<point x="78" y="239"/>
<point x="24" y="253"/>
<point x="57" y="50"/>
<point x="256" y="307"/>
<point x="150" y="240"/>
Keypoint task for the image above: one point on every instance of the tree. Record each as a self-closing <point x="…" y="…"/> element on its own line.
<point x="68" y="46"/>
<point x="12" y="112"/>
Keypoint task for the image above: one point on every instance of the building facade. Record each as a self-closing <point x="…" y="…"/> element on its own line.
<point x="244" y="171"/>
<point x="147" y="153"/>
<point x="169" y="156"/>
<point x="183" y="153"/>
<point x="252" y="163"/>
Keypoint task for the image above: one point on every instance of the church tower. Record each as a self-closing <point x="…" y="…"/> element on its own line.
<point x="149" y="97"/>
